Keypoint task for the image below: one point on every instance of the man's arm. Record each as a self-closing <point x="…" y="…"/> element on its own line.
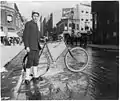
<point x="26" y="35"/>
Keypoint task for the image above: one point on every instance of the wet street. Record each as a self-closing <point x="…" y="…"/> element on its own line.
<point x="100" y="80"/>
<point x="104" y="74"/>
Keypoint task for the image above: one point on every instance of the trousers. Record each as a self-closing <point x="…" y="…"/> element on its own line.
<point x="33" y="58"/>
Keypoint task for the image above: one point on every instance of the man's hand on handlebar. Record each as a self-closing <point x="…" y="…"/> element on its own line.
<point x="44" y="38"/>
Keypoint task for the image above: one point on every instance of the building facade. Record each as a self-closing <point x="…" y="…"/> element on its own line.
<point x="10" y="17"/>
<point x="105" y="22"/>
<point x="82" y="18"/>
<point x="83" y="13"/>
<point x="65" y="24"/>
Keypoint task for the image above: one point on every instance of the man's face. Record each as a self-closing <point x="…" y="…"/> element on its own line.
<point x="35" y="17"/>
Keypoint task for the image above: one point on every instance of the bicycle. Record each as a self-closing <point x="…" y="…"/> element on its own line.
<point x="73" y="61"/>
<point x="76" y="59"/>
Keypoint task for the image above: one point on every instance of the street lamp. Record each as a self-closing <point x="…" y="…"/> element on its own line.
<point x="72" y="14"/>
<point x="73" y="25"/>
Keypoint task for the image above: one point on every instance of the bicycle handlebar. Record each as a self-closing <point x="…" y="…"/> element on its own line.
<point x="44" y="38"/>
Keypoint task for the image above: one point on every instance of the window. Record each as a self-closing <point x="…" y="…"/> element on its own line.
<point x="73" y="26"/>
<point x="9" y="18"/>
<point x="82" y="11"/>
<point x="81" y="28"/>
<point x="1" y="28"/>
<point x="77" y="26"/>
<point x="70" y="25"/>
<point x="65" y="24"/>
<point x="11" y="29"/>
<point x="86" y="28"/>
<point x="86" y="19"/>
<point x="86" y="11"/>
<point x="65" y="28"/>
<point x="82" y="19"/>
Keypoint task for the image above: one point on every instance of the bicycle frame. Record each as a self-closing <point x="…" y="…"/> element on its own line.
<point x="45" y="44"/>
<point x="69" y="51"/>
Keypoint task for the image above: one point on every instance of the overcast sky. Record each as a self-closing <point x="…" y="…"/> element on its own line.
<point x="45" y="8"/>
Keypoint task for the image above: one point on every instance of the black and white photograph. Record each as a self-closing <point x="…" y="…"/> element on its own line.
<point x="59" y="50"/>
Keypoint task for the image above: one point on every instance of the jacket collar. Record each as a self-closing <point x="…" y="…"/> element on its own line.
<point x="33" y="22"/>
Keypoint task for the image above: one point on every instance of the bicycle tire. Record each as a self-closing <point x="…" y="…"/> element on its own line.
<point x="24" y="62"/>
<point x="80" y="66"/>
<point x="47" y="63"/>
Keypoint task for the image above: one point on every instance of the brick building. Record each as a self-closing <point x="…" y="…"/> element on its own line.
<point x="10" y="17"/>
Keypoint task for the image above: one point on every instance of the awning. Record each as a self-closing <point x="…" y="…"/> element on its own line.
<point x="12" y="34"/>
<point x="2" y="34"/>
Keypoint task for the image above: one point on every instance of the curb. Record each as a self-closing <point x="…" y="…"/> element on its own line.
<point x="13" y="58"/>
<point x="97" y="47"/>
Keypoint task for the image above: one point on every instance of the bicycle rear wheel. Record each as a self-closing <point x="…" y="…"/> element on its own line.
<point x="25" y="62"/>
<point x="44" y="64"/>
<point x="76" y="59"/>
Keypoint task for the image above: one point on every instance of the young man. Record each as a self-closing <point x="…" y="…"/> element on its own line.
<point x="31" y="36"/>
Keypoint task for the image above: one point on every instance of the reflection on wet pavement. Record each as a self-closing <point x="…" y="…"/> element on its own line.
<point x="104" y="75"/>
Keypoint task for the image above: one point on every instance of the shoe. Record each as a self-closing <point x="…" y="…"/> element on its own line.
<point x="27" y="82"/>
<point x="31" y="75"/>
<point x="40" y="78"/>
<point x="37" y="79"/>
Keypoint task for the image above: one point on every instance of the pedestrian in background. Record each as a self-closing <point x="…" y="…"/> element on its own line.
<point x="31" y="36"/>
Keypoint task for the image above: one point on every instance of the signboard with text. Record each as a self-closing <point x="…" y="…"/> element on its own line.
<point x="66" y="12"/>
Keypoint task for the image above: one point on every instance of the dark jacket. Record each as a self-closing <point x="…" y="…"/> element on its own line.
<point x="31" y="36"/>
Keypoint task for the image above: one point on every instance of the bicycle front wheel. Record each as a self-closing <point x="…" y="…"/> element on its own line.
<point x="76" y="59"/>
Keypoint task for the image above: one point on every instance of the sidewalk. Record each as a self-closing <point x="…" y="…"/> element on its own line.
<point x="109" y="47"/>
<point x="8" y="53"/>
